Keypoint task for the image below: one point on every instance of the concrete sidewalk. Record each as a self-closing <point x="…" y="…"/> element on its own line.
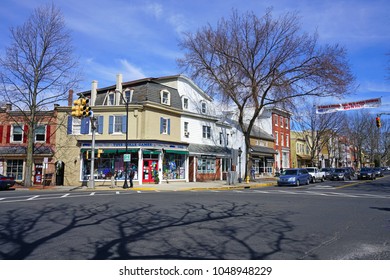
<point x="171" y="186"/>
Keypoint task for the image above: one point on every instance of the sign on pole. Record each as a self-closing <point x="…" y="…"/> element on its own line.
<point x="127" y="157"/>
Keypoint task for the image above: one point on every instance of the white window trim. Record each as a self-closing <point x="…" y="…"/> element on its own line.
<point x="205" y="107"/>
<point x="113" y="125"/>
<point x="277" y="138"/>
<point x="185" y="98"/>
<point x="206" y="131"/>
<point x="165" y="128"/>
<point x="12" y="134"/>
<point x="164" y="91"/>
<point x="44" y="133"/>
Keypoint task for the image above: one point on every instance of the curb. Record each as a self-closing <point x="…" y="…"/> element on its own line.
<point x="184" y="188"/>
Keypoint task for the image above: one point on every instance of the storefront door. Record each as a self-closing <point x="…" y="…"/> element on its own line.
<point x="150" y="167"/>
<point x="38" y="174"/>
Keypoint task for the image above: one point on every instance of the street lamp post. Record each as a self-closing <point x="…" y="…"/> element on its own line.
<point x="126" y="101"/>
<point x="239" y="163"/>
<point x="92" y="168"/>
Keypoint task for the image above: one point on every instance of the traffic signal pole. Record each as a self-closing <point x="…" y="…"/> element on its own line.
<point x="92" y="171"/>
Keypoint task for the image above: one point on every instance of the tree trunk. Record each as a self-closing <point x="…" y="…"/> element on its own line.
<point x="29" y="157"/>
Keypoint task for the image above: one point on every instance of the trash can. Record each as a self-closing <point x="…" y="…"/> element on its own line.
<point x="47" y="179"/>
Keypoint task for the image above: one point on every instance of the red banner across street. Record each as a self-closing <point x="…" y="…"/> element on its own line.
<point x="370" y="103"/>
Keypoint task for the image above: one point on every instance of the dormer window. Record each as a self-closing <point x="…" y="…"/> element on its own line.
<point x="185" y="103"/>
<point x="128" y="96"/>
<point x="165" y="97"/>
<point x="111" y="99"/>
<point x="204" y="107"/>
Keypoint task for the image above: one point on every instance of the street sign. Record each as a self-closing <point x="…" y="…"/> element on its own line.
<point x="127" y="157"/>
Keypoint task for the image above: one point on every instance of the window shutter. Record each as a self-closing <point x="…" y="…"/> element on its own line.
<point x="111" y="124"/>
<point x="161" y="125"/>
<point x="8" y="136"/>
<point x="25" y="133"/>
<point x="1" y="134"/>
<point x="84" y="126"/>
<point x="169" y="126"/>
<point x="48" y="134"/>
<point x="124" y="124"/>
<point x="69" y="128"/>
<point x="100" y="124"/>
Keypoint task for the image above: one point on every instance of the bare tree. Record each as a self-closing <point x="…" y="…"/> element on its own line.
<point x="320" y="131"/>
<point x="255" y="62"/>
<point x="38" y="69"/>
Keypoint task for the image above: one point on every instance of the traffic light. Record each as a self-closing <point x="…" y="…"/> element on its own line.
<point x="100" y="151"/>
<point x="86" y="109"/>
<point x="378" y="122"/>
<point x="77" y="108"/>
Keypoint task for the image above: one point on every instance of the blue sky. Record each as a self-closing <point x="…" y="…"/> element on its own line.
<point x="139" y="38"/>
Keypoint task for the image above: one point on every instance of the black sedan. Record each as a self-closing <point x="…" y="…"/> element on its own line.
<point x="366" y="173"/>
<point x="378" y="172"/>
<point x="341" y="174"/>
<point x="6" y="182"/>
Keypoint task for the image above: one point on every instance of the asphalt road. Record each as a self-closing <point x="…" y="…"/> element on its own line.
<point x="329" y="220"/>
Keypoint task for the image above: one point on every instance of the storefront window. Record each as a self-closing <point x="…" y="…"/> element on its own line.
<point x="226" y="164"/>
<point x="15" y="168"/>
<point x="206" y="166"/>
<point x="108" y="165"/>
<point x="174" y="166"/>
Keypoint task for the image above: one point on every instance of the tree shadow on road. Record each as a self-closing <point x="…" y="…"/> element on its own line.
<point x="224" y="230"/>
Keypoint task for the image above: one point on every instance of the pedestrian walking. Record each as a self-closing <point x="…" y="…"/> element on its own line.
<point x="132" y="173"/>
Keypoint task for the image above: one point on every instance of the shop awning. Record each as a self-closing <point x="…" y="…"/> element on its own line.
<point x="262" y="151"/>
<point x="151" y="152"/>
<point x="209" y="150"/>
<point x="111" y="151"/>
<point x="180" y="152"/>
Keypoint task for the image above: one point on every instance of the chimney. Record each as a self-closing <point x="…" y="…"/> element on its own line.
<point x="8" y="107"/>
<point x="94" y="87"/>
<point x="70" y="97"/>
<point x="118" y="89"/>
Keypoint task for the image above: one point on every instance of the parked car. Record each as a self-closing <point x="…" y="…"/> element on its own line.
<point x="351" y="171"/>
<point x="316" y="174"/>
<point x="378" y="172"/>
<point x="366" y="173"/>
<point x="341" y="174"/>
<point x="294" y="176"/>
<point x="6" y="182"/>
<point x="327" y="171"/>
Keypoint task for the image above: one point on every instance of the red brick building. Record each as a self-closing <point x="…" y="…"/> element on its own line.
<point x="281" y="132"/>
<point x="13" y="144"/>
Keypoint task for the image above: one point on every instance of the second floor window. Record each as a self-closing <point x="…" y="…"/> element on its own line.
<point x="277" y="138"/>
<point x="206" y="132"/>
<point x="117" y="124"/>
<point x="17" y="133"/>
<point x="165" y="126"/>
<point x="40" y="133"/>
